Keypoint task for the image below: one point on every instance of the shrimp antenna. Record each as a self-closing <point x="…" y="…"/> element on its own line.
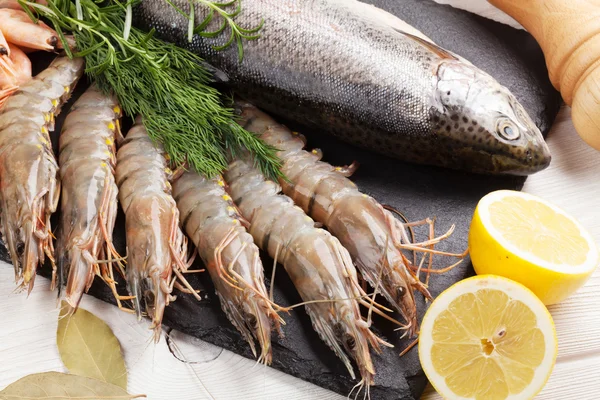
<point x="410" y="346"/>
<point x="406" y="223"/>
<point x="383" y="263"/>
<point x="274" y="269"/>
<point x="181" y="357"/>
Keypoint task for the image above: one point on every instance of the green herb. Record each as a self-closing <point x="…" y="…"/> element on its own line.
<point x="237" y="33"/>
<point x="164" y="83"/>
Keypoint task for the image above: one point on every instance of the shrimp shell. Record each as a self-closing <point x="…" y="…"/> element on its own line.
<point x="29" y="183"/>
<point x="362" y="225"/>
<point x="228" y="251"/>
<point x="21" y="64"/>
<point x="19" y="29"/>
<point x="14" y="4"/>
<point x="156" y="246"/>
<point x="87" y="160"/>
<point x="8" y="75"/>
<point x="4" y="48"/>
<point x="318" y="265"/>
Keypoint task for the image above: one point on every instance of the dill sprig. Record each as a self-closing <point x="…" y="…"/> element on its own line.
<point x="167" y="85"/>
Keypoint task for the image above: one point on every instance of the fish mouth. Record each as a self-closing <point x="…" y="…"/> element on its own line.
<point x="535" y="157"/>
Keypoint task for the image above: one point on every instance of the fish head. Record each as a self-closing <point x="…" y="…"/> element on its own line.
<point x="484" y="123"/>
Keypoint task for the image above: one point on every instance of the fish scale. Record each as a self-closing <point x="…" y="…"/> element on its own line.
<point x="331" y="65"/>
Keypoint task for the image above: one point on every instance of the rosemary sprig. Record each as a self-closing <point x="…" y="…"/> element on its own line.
<point x="164" y="83"/>
<point x="238" y="34"/>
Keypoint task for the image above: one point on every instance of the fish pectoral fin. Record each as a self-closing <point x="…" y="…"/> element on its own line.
<point x="429" y="45"/>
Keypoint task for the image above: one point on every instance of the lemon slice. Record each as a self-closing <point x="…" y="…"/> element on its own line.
<point x="487" y="338"/>
<point x="529" y="240"/>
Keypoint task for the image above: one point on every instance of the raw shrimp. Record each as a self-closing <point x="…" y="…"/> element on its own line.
<point x="320" y="268"/>
<point x="156" y="246"/>
<point x="20" y="64"/>
<point x="212" y="222"/>
<point x="19" y="29"/>
<point x="15" y="69"/>
<point x="4" y="48"/>
<point x="8" y="76"/>
<point x="14" y="4"/>
<point x="29" y="183"/>
<point x="370" y="233"/>
<point x="89" y="193"/>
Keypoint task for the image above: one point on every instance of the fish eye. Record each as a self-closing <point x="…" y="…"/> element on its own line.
<point x="508" y="130"/>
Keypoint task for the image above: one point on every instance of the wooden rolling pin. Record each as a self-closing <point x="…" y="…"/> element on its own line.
<point x="568" y="31"/>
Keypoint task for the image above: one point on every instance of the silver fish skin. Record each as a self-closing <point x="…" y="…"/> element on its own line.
<point x="329" y="65"/>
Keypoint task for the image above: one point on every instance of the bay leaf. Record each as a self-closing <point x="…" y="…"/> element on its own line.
<point x="88" y="347"/>
<point x="59" y="386"/>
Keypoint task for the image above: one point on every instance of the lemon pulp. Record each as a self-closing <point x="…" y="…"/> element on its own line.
<point x="487" y="338"/>
<point x="535" y="228"/>
<point x="529" y="240"/>
<point x="486" y="345"/>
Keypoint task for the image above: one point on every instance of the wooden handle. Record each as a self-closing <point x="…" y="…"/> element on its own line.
<point x="568" y="31"/>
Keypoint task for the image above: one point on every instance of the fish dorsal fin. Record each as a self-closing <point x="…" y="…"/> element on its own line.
<point x="429" y="45"/>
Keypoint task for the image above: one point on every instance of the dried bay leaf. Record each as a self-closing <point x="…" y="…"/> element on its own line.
<point x="88" y="347"/>
<point x="59" y="386"/>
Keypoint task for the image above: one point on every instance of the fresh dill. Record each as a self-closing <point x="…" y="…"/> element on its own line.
<point x="165" y="84"/>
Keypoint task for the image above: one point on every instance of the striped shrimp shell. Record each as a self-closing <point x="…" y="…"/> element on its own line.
<point x="362" y="225"/>
<point x="156" y="246"/>
<point x="29" y="182"/>
<point x="87" y="160"/>
<point x="316" y="262"/>
<point x="212" y="222"/>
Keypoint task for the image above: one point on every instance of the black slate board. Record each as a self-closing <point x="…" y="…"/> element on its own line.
<point x="516" y="61"/>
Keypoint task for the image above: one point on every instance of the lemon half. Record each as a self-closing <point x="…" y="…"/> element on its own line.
<point x="527" y="239"/>
<point x="487" y="338"/>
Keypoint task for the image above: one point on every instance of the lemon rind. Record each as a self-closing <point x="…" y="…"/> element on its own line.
<point x="514" y="290"/>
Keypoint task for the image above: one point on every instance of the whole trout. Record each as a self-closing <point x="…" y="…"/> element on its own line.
<point x="370" y="80"/>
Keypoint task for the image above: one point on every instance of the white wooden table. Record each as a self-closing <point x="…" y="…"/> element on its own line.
<point x="28" y="325"/>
